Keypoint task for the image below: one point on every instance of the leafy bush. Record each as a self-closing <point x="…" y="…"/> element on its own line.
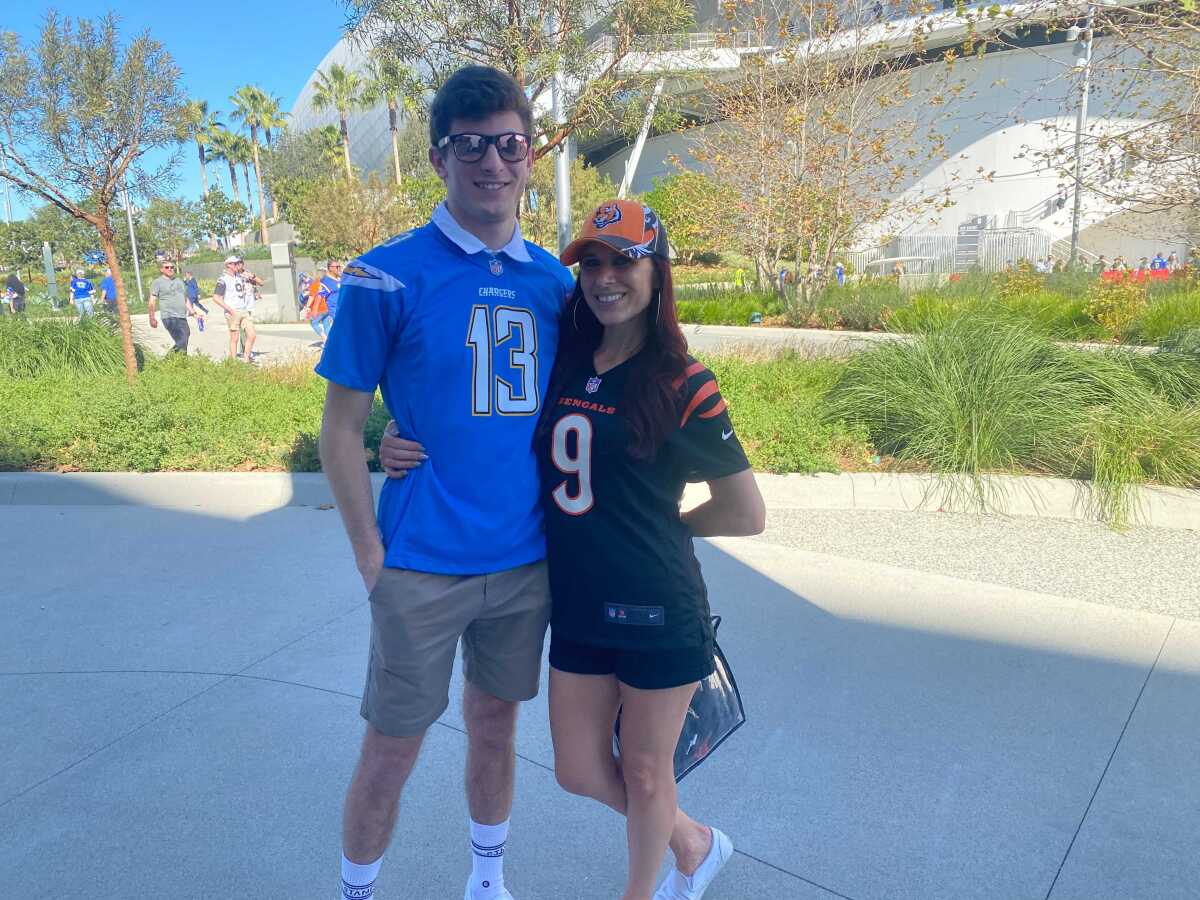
<point x="1115" y="304"/>
<point x="862" y="305"/>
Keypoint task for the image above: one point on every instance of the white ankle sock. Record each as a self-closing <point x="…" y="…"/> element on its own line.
<point x="358" y="882"/>
<point x="487" y="860"/>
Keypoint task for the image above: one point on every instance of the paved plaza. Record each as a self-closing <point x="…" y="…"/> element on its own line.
<point x="180" y="678"/>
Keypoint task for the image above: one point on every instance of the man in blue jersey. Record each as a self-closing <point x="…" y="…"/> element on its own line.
<point x="83" y="293"/>
<point x="457" y="323"/>
<point x="108" y="291"/>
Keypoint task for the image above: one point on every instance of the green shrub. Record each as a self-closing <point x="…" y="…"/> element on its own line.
<point x="1115" y="304"/>
<point x="981" y="394"/>
<point x="1166" y="313"/>
<point x="863" y="305"/>
<point x="776" y="406"/>
<point x="31" y="346"/>
<point x="717" y="307"/>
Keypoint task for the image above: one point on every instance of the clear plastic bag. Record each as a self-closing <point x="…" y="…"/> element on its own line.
<point x="715" y="713"/>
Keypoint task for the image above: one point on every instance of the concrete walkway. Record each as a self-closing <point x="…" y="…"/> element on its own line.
<point x="179" y="686"/>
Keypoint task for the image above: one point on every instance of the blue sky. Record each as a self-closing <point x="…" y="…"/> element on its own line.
<point x="219" y="45"/>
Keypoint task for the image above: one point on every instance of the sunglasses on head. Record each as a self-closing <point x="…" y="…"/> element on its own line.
<point x="512" y="146"/>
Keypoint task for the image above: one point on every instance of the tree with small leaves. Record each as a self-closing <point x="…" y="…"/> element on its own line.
<point x="79" y="112"/>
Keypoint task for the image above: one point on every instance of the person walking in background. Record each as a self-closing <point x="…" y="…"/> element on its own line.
<point x="236" y="298"/>
<point x="1159" y="263"/>
<point x="1100" y="266"/>
<point x="169" y="296"/>
<point x="108" y="291"/>
<point x="1172" y="261"/>
<point x="328" y="291"/>
<point x="192" y="290"/>
<point x="14" y="292"/>
<point x="839" y="272"/>
<point x="316" y="310"/>
<point x="82" y="293"/>
<point x="302" y="287"/>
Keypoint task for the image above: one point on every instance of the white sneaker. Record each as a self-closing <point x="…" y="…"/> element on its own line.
<point x="677" y="886"/>
<point x="503" y="895"/>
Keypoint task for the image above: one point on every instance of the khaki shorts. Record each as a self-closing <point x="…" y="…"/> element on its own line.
<point x="416" y="621"/>
<point x="239" y="319"/>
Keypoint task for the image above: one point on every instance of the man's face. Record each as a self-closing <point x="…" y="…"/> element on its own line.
<point x="168" y="269"/>
<point x="335" y="270"/>
<point x="484" y="192"/>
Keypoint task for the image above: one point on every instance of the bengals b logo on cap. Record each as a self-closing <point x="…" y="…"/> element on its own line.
<point x="625" y="226"/>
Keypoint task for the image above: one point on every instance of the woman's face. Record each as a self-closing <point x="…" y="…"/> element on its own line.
<point x="617" y="289"/>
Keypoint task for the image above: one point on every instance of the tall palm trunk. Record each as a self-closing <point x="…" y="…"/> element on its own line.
<point x="346" y="146"/>
<point x="262" y="208"/>
<point x="237" y="197"/>
<point x="249" y="193"/>
<point x="393" y="124"/>
<point x="203" y="170"/>
<point x="267" y="167"/>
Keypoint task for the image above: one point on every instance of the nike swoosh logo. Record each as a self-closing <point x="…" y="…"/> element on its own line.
<point x="726" y="435"/>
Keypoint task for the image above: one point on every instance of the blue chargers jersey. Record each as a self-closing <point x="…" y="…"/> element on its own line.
<point x="461" y="346"/>
<point x="81" y="288"/>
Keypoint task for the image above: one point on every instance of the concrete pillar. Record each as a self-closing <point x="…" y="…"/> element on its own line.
<point x="284" y="269"/>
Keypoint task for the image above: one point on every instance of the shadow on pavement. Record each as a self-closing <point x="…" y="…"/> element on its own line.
<point x="179" y="693"/>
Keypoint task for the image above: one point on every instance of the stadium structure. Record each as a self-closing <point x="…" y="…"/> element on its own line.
<point x="1019" y="101"/>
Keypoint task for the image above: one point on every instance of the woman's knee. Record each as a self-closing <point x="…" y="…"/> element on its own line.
<point x="646" y="774"/>
<point x="576" y="776"/>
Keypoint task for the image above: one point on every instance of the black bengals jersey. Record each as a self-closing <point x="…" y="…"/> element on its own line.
<point x="623" y="572"/>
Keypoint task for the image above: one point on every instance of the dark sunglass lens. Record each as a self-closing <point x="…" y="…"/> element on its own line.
<point x="512" y="147"/>
<point x="469" y="147"/>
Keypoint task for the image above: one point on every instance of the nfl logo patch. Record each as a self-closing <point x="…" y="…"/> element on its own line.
<point x="496" y="266"/>
<point x="593" y="385"/>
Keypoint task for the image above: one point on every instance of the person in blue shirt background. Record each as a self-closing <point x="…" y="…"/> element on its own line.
<point x="108" y="291"/>
<point x="1158" y="263"/>
<point x="83" y="292"/>
<point x="457" y="323"/>
<point x="840" y="272"/>
<point x="329" y="290"/>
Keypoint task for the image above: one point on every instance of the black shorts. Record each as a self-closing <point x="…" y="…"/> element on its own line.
<point x="647" y="670"/>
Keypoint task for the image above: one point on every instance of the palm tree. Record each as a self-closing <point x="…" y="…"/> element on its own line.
<point x="200" y="123"/>
<point x="343" y="90"/>
<point x="224" y="144"/>
<point x="330" y="145"/>
<point x="394" y="82"/>
<point x="244" y="155"/>
<point x="274" y="119"/>
<point x="249" y="106"/>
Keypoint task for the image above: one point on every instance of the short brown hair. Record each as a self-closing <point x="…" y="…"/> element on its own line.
<point x="476" y="92"/>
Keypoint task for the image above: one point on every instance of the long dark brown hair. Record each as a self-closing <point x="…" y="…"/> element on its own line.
<point x="654" y="393"/>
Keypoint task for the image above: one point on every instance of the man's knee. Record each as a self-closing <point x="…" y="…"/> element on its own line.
<point x="387" y="758"/>
<point x="489" y="720"/>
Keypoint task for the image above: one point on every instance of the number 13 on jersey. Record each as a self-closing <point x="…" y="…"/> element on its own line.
<point x="510" y="329"/>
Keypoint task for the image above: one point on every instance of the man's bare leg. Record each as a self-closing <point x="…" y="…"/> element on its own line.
<point x="491" y="763"/>
<point x="373" y="801"/>
<point x="250" y="337"/>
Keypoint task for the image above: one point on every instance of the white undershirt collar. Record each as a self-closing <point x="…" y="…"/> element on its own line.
<point x="470" y="244"/>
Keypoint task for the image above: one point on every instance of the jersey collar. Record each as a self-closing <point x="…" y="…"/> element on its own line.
<point x="470" y="244"/>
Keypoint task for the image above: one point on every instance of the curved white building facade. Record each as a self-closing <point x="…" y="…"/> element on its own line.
<point x="1016" y="105"/>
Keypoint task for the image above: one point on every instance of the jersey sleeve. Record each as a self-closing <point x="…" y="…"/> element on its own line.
<point x="706" y="443"/>
<point x="219" y="290"/>
<point x="368" y="322"/>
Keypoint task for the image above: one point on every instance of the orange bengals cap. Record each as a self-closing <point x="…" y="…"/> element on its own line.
<point x="624" y="225"/>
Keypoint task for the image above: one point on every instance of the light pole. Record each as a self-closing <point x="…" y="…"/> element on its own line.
<point x="562" y="157"/>
<point x="1080" y="118"/>
<point x="137" y="269"/>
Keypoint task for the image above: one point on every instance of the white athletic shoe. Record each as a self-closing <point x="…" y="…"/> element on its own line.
<point x="503" y="895"/>
<point x="677" y="886"/>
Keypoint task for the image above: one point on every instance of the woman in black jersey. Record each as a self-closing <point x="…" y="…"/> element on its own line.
<point x="629" y="419"/>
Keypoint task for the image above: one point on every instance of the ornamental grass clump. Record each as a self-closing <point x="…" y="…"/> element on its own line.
<point x="979" y="396"/>
<point x="32" y="347"/>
